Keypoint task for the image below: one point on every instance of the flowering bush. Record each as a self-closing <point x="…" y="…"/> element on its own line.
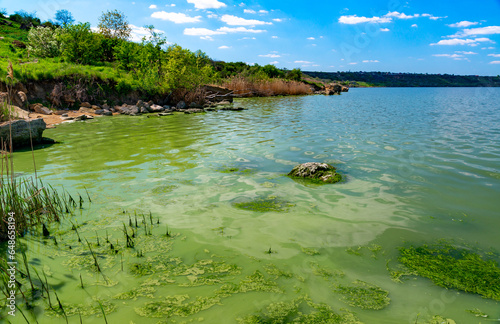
<point x="45" y="42"/>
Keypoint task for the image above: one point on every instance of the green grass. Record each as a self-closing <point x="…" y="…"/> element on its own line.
<point x="452" y="267"/>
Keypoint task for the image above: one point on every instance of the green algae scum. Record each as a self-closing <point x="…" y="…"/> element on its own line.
<point x="193" y="219"/>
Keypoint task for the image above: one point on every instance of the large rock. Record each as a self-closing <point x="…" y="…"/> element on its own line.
<point x="40" y="109"/>
<point x="129" y="110"/>
<point x="181" y="105"/>
<point x="317" y="172"/>
<point x="156" y="108"/>
<point x="21" y="132"/>
<point x="333" y="89"/>
<point x="86" y="110"/>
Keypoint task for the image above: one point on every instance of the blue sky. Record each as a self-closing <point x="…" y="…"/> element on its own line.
<point x="447" y="36"/>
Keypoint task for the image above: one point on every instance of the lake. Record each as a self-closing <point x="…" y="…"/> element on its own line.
<point x="420" y="164"/>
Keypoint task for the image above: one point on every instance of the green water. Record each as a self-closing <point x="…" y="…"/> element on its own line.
<point x="421" y="165"/>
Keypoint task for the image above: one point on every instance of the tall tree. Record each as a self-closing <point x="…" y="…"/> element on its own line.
<point x="114" y="24"/>
<point x="64" y="17"/>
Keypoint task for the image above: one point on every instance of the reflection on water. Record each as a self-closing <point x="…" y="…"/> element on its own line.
<point x="421" y="165"/>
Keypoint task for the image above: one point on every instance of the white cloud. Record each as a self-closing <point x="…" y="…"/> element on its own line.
<point x="224" y="47"/>
<point x="270" y="55"/>
<point x="448" y="55"/>
<point x="311" y="38"/>
<point x="207" y="4"/>
<point x="384" y="29"/>
<point x="278" y="19"/>
<point x="463" y="24"/>
<point x="139" y="32"/>
<point x="490" y="30"/>
<point x="240" y="30"/>
<point x="153" y="7"/>
<point x="250" y="11"/>
<point x="201" y="32"/>
<point x="431" y="17"/>
<point x="488" y="48"/>
<point x="274" y="37"/>
<point x="353" y="63"/>
<point x="465" y="53"/>
<point x="220" y="31"/>
<point x="353" y="20"/>
<point x="495" y="62"/>
<point x="414" y="26"/>
<point x="458" y="41"/>
<point x="207" y="38"/>
<point x="212" y="16"/>
<point x="237" y="21"/>
<point x="398" y="15"/>
<point x="371" y="61"/>
<point x="274" y="62"/>
<point x="178" y="18"/>
<point x="303" y="62"/>
<point x="263" y="11"/>
<point x="248" y="38"/>
<point x="494" y="55"/>
<point x="170" y="5"/>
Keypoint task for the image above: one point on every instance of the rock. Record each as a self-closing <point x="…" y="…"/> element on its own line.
<point x="95" y="107"/>
<point x="66" y="118"/>
<point x="166" y="107"/>
<point x="86" y="110"/>
<point x="150" y="103"/>
<point x="21" y="132"/>
<point x="80" y="118"/>
<point x="193" y="111"/>
<point x="22" y="99"/>
<point x="155" y="108"/>
<point x="195" y="105"/>
<point x="333" y="89"/>
<point x="64" y="115"/>
<point x="129" y="110"/>
<point x="164" y="114"/>
<point x="223" y="103"/>
<point x="140" y="104"/>
<point x="40" y="109"/>
<point x="85" y="105"/>
<point x="232" y="108"/>
<point x="210" y="109"/>
<point x="105" y="106"/>
<point x="99" y="111"/>
<point x="181" y="105"/>
<point x="317" y="172"/>
<point x="144" y="110"/>
<point x="60" y="112"/>
<point x="107" y="113"/>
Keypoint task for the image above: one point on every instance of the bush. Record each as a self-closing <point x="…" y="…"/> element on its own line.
<point x="44" y="42"/>
<point x="24" y="17"/>
<point x="80" y="45"/>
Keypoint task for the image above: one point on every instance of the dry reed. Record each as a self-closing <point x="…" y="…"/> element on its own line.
<point x="243" y="87"/>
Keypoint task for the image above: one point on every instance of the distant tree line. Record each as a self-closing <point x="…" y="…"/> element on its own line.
<point x="388" y="79"/>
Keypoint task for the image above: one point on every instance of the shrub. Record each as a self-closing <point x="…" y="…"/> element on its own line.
<point x="80" y="45"/>
<point x="44" y="42"/>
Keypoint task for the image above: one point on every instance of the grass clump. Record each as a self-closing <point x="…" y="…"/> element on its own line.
<point x="266" y="204"/>
<point x="364" y="295"/>
<point x="451" y="267"/>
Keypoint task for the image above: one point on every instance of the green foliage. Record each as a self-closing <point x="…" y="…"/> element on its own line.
<point x="44" y="42"/>
<point x="451" y="267"/>
<point x="81" y="46"/>
<point x="272" y="71"/>
<point x="64" y="17"/>
<point x="24" y="17"/>
<point x="294" y="75"/>
<point x="114" y="24"/>
<point x="3" y="12"/>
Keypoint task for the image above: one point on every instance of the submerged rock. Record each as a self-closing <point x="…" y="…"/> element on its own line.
<point x="319" y="172"/>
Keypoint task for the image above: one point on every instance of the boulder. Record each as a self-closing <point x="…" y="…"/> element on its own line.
<point x="129" y="110"/>
<point x="107" y="113"/>
<point x="105" y="106"/>
<point x="144" y="110"/>
<point x="333" y="89"/>
<point x="164" y="114"/>
<point x="21" y="132"/>
<point x="95" y="107"/>
<point x="86" y="110"/>
<point x="156" y="108"/>
<point x="99" y="111"/>
<point x="40" y="109"/>
<point x="316" y="172"/>
<point x="195" y="105"/>
<point x="85" y="105"/>
<point x="223" y="103"/>
<point x="181" y="105"/>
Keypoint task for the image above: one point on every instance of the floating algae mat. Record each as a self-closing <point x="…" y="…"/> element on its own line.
<point x="193" y="218"/>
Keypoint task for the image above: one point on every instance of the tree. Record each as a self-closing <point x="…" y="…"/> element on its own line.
<point x="44" y="42"/>
<point x="295" y="75"/>
<point x="64" y="17"/>
<point x="3" y="12"/>
<point x="80" y="45"/>
<point x="114" y="24"/>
